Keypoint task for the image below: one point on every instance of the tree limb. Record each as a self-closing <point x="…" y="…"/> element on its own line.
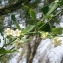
<point x="12" y="7"/>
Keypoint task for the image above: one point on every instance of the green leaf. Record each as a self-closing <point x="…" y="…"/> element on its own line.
<point x="1" y="29"/>
<point x="45" y="9"/>
<point x="32" y="14"/>
<point x="4" y="51"/>
<point x="52" y="7"/>
<point x="60" y="2"/>
<point x="28" y="28"/>
<point x="24" y="39"/>
<point x="57" y="30"/>
<point x="26" y="7"/>
<point x="45" y="28"/>
<point x="14" y="20"/>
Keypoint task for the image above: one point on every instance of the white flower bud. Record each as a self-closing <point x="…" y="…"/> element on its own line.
<point x="56" y="42"/>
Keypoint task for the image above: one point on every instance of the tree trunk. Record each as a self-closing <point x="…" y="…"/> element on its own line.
<point x="32" y="49"/>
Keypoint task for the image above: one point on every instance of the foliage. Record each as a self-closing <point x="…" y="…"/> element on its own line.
<point x="43" y="27"/>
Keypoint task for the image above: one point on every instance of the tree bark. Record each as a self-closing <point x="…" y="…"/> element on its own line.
<point x="32" y="49"/>
<point x="12" y="7"/>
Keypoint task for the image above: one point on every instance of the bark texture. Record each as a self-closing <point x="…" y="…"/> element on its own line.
<point x="32" y="49"/>
<point x="12" y="7"/>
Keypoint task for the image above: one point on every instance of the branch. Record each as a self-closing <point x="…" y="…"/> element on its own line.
<point x="12" y="7"/>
